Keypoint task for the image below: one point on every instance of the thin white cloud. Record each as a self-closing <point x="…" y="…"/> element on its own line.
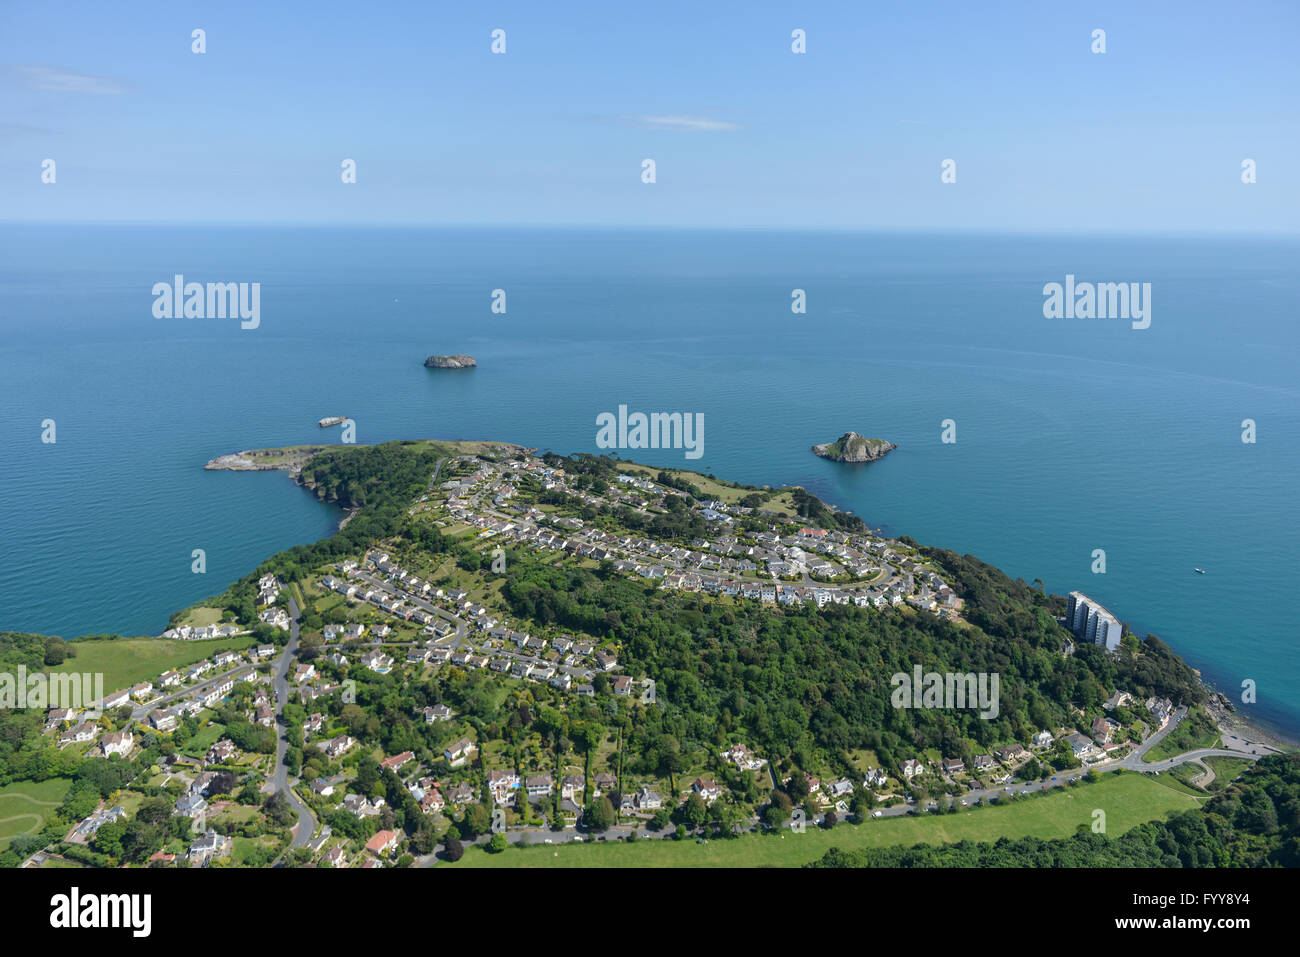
<point x="51" y="80"/>
<point x="681" y="122"/>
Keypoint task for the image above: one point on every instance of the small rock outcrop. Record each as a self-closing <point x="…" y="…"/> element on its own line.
<point x="851" y="447"/>
<point x="450" y="362"/>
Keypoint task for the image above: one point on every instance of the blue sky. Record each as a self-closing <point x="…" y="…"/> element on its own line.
<point x="1149" y="136"/>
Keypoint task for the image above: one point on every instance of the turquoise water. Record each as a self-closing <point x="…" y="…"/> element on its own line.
<point x="1071" y="434"/>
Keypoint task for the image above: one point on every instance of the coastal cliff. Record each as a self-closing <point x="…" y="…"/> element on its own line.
<point x="851" y="447"/>
<point x="459" y="361"/>
<point x="290" y="459"/>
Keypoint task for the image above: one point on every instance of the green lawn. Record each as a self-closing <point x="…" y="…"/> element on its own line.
<point x="1226" y="770"/>
<point x="204" y="738"/>
<point x="1127" y="799"/>
<point x="201" y="616"/>
<point x="1196" y="731"/>
<point x="128" y="661"/>
<point x="25" y="805"/>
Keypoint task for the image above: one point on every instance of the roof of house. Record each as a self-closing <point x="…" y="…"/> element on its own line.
<point x="381" y="840"/>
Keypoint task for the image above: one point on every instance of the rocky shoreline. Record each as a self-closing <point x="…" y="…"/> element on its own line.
<point x="289" y="460"/>
<point x="1229" y="718"/>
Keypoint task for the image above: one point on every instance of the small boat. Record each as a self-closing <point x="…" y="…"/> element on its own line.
<point x="1200" y="571"/>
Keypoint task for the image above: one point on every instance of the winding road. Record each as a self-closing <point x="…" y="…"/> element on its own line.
<point x="305" y="829"/>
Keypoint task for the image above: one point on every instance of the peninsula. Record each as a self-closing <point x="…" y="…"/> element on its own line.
<point x="589" y="644"/>
<point x="459" y="361"/>
<point x="851" y="447"/>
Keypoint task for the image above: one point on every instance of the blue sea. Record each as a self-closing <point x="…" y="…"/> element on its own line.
<point x="1072" y="435"/>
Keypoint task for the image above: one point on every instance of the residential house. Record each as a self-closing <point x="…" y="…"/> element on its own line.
<point x="223" y="750"/>
<point x="383" y="842"/>
<point x="81" y="734"/>
<point x="500" y="784"/>
<point x="1101" y="731"/>
<point x="459" y="752"/>
<point x="462" y="794"/>
<point x="207" y="847"/>
<point x="115" y="699"/>
<point x="710" y="791"/>
<point x="396" y="762"/>
<point x="839" y="789"/>
<point x="1012" y="753"/>
<point x="161" y="720"/>
<point x="1082" y="747"/>
<point x="119" y="742"/>
<point x="571" y="786"/>
<point x="335" y="856"/>
<point x="337" y="747"/>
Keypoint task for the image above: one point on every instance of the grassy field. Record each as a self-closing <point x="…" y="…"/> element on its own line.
<point x="1128" y="800"/>
<point x="128" y="661"/>
<point x="1226" y="770"/>
<point x="201" y="616"/>
<point x="25" y="805"/>
<point x="782" y="503"/>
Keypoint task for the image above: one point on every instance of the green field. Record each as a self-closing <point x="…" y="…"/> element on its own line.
<point x="128" y="661"/>
<point x="25" y="805"/>
<point x="1127" y="799"/>
<point x="201" y="616"/>
<point x="781" y="502"/>
<point x="1226" y="770"/>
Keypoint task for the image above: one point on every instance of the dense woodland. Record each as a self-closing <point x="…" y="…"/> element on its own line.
<point x="796" y="679"/>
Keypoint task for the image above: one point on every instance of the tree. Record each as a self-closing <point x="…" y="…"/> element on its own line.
<point x="599" y="815"/>
<point x="797" y="786"/>
<point x="278" y="810"/>
<point x="453" y="850"/>
<point x="695" y="811"/>
<point x="477" y="820"/>
<point x="831" y="819"/>
<point x="423" y="840"/>
<point x="861" y="806"/>
<point x="498" y="843"/>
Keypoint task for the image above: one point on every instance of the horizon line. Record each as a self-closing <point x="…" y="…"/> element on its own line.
<point x="1189" y="232"/>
